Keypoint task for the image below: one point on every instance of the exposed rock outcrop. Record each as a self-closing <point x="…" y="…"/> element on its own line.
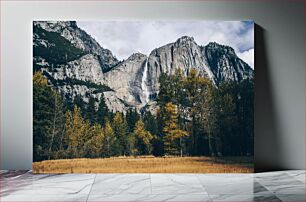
<point x="80" y="39"/>
<point x="184" y="54"/>
<point x="86" y="68"/>
<point x="225" y="64"/>
<point x="126" y="79"/>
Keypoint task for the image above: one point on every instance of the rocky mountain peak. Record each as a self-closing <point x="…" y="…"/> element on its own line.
<point x="137" y="56"/>
<point x="213" y="46"/>
<point x="185" y="42"/>
<point x="55" y="26"/>
<point x="225" y="64"/>
<point x="185" y="39"/>
<point x="81" y="40"/>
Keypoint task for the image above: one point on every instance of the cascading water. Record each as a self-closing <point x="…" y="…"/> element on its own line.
<point x="144" y="87"/>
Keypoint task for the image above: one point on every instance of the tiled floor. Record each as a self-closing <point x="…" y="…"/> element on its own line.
<point x="273" y="186"/>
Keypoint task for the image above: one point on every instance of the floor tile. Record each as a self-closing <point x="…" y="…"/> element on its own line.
<point x="116" y="184"/>
<point x="176" y="184"/>
<point x="277" y="175"/>
<point x="287" y="186"/>
<point x="292" y="197"/>
<point x="245" y="198"/>
<point x="12" y="182"/>
<point x="260" y="189"/>
<point x="298" y="175"/>
<point x="43" y="198"/>
<point x="282" y="184"/>
<point x="150" y="198"/>
<point x="51" y="184"/>
<point x="287" y="189"/>
<point x="266" y="198"/>
<point x="227" y="184"/>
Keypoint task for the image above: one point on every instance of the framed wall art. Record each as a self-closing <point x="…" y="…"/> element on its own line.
<point x="143" y="96"/>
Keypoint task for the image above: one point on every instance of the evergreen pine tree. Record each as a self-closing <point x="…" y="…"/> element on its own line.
<point x="132" y="116"/>
<point x="56" y="129"/>
<point x="91" y="113"/>
<point x="119" y="126"/>
<point x="103" y="112"/>
<point x="42" y="116"/>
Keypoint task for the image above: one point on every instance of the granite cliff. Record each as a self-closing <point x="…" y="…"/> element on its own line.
<point x="79" y="66"/>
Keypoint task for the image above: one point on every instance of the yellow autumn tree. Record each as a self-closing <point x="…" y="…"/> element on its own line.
<point x="109" y="139"/>
<point x="172" y="134"/>
<point x="78" y="132"/>
<point x="144" y="136"/>
<point x="94" y="146"/>
<point x="39" y="79"/>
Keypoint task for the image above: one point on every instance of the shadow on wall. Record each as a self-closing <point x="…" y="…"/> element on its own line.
<point x="267" y="141"/>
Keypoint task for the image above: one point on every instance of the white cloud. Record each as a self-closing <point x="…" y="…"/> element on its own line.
<point x="126" y="37"/>
<point x="248" y="57"/>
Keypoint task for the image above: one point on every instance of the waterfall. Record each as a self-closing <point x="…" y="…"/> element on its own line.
<point x="144" y="87"/>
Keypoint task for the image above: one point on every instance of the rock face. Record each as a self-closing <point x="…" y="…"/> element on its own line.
<point x="78" y="66"/>
<point x="224" y="63"/>
<point x="80" y="39"/>
<point x="184" y="54"/>
<point x="86" y="68"/>
<point x="126" y="80"/>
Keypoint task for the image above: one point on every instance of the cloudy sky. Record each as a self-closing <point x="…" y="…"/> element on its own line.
<point x="126" y="37"/>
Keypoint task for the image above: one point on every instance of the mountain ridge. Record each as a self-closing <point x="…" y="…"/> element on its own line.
<point x="126" y="78"/>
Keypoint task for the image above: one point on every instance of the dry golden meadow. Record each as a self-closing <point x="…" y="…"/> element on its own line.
<point x="147" y="164"/>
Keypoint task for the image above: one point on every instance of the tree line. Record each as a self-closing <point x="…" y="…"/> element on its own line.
<point x="194" y="118"/>
<point x="213" y="120"/>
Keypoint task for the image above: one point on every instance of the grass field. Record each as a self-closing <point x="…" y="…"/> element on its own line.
<point x="147" y="164"/>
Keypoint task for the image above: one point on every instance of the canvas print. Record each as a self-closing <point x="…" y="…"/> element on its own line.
<point x="143" y="96"/>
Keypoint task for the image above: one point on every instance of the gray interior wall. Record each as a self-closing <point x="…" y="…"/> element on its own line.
<point x="279" y="64"/>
